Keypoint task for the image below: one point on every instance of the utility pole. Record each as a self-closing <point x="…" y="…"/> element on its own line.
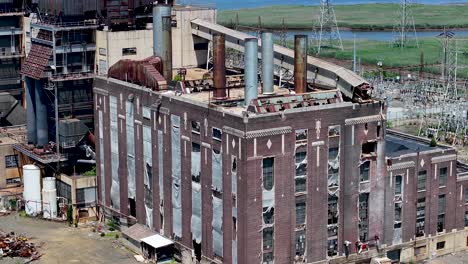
<point x="328" y="27"/>
<point x="404" y="30"/>
<point x="354" y="54"/>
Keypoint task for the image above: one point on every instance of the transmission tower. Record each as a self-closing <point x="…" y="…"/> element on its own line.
<point x="404" y="32"/>
<point x="328" y="27"/>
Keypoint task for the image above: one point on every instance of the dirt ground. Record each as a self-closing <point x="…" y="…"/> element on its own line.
<point x="62" y="244"/>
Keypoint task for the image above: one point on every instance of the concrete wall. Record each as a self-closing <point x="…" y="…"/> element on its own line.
<point x="80" y="183"/>
<point x="109" y="47"/>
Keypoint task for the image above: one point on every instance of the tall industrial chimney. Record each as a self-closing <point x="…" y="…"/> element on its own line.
<point x="251" y="69"/>
<point x="162" y="37"/>
<point x="219" y="66"/>
<point x="300" y="64"/>
<point x="267" y="62"/>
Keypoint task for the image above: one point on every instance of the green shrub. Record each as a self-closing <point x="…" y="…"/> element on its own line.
<point x="433" y="143"/>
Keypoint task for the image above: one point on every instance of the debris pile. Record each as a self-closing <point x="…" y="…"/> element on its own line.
<point x="12" y="245"/>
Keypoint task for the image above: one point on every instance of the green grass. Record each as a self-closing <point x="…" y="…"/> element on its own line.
<point x="363" y="17"/>
<point x="371" y="52"/>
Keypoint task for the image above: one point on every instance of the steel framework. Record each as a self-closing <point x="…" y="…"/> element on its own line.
<point x="404" y="31"/>
<point x="328" y="27"/>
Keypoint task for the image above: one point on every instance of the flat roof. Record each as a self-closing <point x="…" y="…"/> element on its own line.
<point x="397" y="144"/>
<point x="157" y="241"/>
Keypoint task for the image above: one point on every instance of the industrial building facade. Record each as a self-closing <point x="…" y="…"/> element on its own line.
<point x="242" y="173"/>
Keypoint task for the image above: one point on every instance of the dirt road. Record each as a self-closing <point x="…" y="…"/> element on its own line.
<point x="62" y="244"/>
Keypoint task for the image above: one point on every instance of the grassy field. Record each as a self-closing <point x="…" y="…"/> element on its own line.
<point x="362" y="17"/>
<point x="371" y="52"/>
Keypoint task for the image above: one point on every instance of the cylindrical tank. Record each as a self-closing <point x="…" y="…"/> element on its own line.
<point x="49" y="197"/>
<point x="32" y="189"/>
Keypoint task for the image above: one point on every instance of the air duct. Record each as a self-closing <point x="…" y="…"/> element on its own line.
<point x="219" y="66"/>
<point x="251" y="69"/>
<point x="300" y="64"/>
<point x="30" y="110"/>
<point x="41" y="115"/>
<point x="267" y="62"/>
<point x="162" y="37"/>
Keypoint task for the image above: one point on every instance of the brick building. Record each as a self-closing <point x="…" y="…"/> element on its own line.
<point x="240" y="173"/>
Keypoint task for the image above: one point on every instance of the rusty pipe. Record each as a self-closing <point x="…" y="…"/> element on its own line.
<point x="219" y="66"/>
<point x="300" y="64"/>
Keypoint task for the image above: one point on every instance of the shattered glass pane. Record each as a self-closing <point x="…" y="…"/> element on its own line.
<point x="130" y="150"/>
<point x="176" y="177"/>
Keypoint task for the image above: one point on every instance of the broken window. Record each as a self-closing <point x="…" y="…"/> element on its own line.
<point x="466" y="218"/>
<point x="301" y="172"/>
<point x="268" y="173"/>
<point x="217" y="134"/>
<point x="369" y="148"/>
<point x="440" y="245"/>
<point x="398" y="184"/>
<point x="466" y="195"/>
<point x="161" y="177"/>
<point x="234" y="174"/>
<point x="420" y="216"/>
<point x="332" y="249"/>
<point x="334" y="131"/>
<point x="130" y="121"/>
<point x="195" y="127"/>
<point x="333" y="167"/>
<point x="268" y="215"/>
<point x="300" y="242"/>
<point x="148" y="175"/>
<point x="196" y="162"/>
<point x="217" y="170"/>
<point x="176" y="177"/>
<point x="114" y="137"/>
<point x="440" y="223"/>
<point x="300" y="212"/>
<point x="363" y="216"/>
<point x="268" y="258"/>
<point x="422" y="180"/>
<point x="397" y="223"/>
<point x="268" y="238"/>
<point x="442" y="177"/>
<point x="332" y="209"/>
<point x="301" y="135"/>
<point x="217" y="224"/>
<point x="364" y="171"/>
<point x="196" y="220"/>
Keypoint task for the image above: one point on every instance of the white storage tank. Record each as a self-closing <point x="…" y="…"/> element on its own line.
<point x="32" y="189"/>
<point x="49" y="198"/>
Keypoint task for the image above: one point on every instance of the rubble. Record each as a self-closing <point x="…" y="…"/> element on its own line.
<point x="12" y="245"/>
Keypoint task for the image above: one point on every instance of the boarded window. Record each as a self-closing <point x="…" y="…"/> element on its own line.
<point x="268" y="173"/>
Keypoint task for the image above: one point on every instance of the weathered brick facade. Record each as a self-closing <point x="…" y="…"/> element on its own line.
<point x="248" y="139"/>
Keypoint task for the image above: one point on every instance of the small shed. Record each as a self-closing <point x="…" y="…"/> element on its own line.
<point x="157" y="248"/>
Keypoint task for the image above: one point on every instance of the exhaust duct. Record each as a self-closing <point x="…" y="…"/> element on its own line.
<point x="267" y="63"/>
<point x="251" y="69"/>
<point x="219" y="66"/>
<point x="300" y="64"/>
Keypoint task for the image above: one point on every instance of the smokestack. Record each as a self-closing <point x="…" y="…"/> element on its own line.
<point x="162" y="37"/>
<point x="251" y="69"/>
<point x="219" y="66"/>
<point x="30" y="111"/>
<point x="300" y="64"/>
<point x="267" y="62"/>
<point x="41" y="116"/>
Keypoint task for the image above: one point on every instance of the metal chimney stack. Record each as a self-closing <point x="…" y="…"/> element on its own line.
<point x="41" y="115"/>
<point x="219" y="66"/>
<point x="300" y="64"/>
<point x="251" y="69"/>
<point x="162" y="37"/>
<point x="267" y="63"/>
<point x="31" y="110"/>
